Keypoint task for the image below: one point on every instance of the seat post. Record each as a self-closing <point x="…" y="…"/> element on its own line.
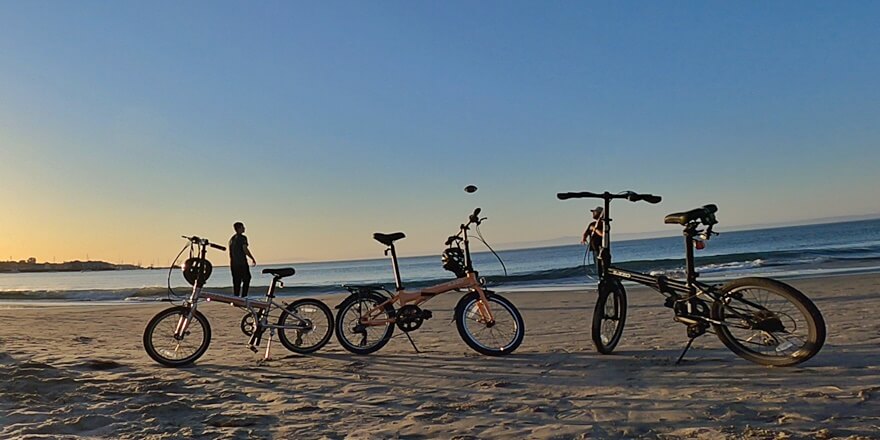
<point x="397" y="282"/>
<point x="689" y="255"/>
<point x="271" y="293"/>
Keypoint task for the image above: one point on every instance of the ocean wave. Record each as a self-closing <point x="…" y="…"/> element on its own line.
<point x="717" y="266"/>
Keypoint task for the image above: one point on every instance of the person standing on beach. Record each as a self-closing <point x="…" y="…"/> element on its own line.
<point x="594" y="233"/>
<point x="238" y="264"/>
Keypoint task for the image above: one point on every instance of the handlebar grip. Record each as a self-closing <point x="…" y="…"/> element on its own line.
<point x="217" y="246"/>
<point x="577" y="195"/>
<point x="650" y="198"/>
<point x="475" y="217"/>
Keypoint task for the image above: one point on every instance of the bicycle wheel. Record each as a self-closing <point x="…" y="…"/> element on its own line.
<point x="317" y="322"/>
<point x="166" y="349"/>
<point x="609" y="316"/>
<point x="768" y="322"/>
<point x="358" y="338"/>
<point x="497" y="338"/>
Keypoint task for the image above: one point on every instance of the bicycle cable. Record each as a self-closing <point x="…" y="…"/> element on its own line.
<point x="483" y="240"/>
<point x="171" y="292"/>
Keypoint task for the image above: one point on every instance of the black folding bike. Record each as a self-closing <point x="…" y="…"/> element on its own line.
<point x="759" y="319"/>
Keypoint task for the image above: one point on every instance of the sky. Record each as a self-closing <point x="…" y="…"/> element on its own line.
<point x="124" y="125"/>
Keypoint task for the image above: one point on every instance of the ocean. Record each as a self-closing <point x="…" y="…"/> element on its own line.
<point x="783" y="252"/>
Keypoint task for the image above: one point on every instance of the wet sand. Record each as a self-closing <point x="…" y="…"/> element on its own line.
<point x="81" y="372"/>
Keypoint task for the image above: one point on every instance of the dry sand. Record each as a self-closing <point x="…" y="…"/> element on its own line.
<point x="80" y="372"/>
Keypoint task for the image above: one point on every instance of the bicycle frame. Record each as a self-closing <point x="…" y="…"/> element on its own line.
<point x="669" y="287"/>
<point x="254" y="307"/>
<point x="403" y="296"/>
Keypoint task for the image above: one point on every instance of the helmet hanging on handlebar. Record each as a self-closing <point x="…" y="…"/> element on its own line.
<point x="197" y="269"/>
<point x="453" y="261"/>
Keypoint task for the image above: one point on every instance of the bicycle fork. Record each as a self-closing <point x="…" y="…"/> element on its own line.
<point x="183" y="324"/>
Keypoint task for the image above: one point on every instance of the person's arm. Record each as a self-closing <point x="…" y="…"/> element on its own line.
<point x="587" y="233"/>
<point x="247" y="251"/>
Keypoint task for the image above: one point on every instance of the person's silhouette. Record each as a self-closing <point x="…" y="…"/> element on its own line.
<point x="238" y="264"/>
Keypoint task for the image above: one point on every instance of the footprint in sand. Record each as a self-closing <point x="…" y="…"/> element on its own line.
<point x="101" y="364"/>
<point x="238" y="421"/>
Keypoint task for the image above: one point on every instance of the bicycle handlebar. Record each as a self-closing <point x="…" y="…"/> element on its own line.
<point x="578" y="195"/>
<point x="475" y="217"/>
<point x="203" y="242"/>
<point x="629" y="195"/>
<point x="650" y="198"/>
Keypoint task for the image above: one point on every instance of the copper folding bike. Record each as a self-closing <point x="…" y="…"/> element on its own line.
<point x="486" y="321"/>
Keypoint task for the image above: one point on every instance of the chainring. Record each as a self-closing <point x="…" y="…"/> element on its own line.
<point x="409" y="318"/>
<point x="248" y="324"/>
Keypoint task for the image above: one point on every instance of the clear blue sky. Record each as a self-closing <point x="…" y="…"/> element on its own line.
<point x="319" y="123"/>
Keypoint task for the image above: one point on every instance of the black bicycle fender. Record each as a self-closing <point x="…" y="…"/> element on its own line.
<point x="375" y="294"/>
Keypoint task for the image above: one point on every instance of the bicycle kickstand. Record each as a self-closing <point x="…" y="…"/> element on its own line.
<point x="269" y="344"/>
<point x="412" y="342"/>
<point x="686" y="348"/>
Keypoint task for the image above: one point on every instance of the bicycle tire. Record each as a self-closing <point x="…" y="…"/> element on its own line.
<point x="463" y="314"/>
<point x="769" y="324"/>
<point x="180" y="311"/>
<point x="364" y="300"/>
<point x="326" y="325"/>
<point x="605" y="319"/>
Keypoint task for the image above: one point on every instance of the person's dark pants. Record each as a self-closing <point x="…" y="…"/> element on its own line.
<point x="241" y="280"/>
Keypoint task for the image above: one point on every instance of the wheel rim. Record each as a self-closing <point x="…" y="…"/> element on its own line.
<point x="356" y="335"/>
<point x="168" y="347"/>
<point x="766" y="323"/>
<point x="315" y="322"/>
<point x="497" y="337"/>
<point x="610" y="320"/>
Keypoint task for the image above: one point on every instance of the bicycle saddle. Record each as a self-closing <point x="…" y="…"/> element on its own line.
<point x="388" y="239"/>
<point x="280" y="272"/>
<point x="705" y="214"/>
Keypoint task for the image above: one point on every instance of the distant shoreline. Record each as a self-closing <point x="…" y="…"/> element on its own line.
<point x="68" y="266"/>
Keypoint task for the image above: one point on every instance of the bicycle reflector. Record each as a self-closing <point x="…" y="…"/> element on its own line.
<point x="453" y="261"/>
<point x="197" y="269"/>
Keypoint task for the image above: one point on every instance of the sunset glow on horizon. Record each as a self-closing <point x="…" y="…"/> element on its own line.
<point x="124" y="126"/>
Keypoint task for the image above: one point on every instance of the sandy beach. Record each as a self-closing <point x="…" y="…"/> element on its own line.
<point x="81" y="372"/>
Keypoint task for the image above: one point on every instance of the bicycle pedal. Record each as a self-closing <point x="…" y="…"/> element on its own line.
<point x="253" y="348"/>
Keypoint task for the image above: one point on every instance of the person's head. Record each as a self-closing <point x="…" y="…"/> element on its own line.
<point x="597" y="213"/>
<point x="239" y="227"/>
